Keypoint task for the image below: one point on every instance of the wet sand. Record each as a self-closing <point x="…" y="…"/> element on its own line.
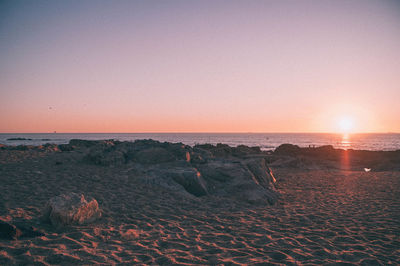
<point x="322" y="217"/>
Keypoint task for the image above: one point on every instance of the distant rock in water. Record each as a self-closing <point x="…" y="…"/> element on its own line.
<point x="71" y="209"/>
<point x="12" y="139"/>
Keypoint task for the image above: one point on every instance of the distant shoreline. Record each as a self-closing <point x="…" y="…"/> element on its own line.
<point x="266" y="141"/>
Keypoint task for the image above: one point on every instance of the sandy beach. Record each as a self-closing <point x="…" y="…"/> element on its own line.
<point x="322" y="216"/>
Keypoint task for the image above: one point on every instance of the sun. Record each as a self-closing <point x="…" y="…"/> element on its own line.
<point x="345" y="124"/>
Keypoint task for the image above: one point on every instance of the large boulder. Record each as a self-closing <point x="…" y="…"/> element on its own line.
<point x="262" y="173"/>
<point x="247" y="180"/>
<point x="71" y="209"/>
<point x="223" y="170"/>
<point x="288" y="150"/>
<point x="190" y="179"/>
<point x="105" y="153"/>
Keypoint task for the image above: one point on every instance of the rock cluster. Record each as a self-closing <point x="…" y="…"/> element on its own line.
<point x="237" y="172"/>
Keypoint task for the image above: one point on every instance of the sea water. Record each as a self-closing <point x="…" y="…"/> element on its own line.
<point x="267" y="141"/>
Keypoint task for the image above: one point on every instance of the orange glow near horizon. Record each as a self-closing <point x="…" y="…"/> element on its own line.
<point x="199" y="66"/>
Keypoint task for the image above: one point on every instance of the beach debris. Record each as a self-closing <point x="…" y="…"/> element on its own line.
<point x="71" y="209"/>
<point x="367" y="169"/>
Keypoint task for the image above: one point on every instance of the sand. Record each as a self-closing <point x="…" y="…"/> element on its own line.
<point x="322" y="217"/>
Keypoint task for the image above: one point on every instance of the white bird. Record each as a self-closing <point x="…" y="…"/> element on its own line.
<point x="367" y="169"/>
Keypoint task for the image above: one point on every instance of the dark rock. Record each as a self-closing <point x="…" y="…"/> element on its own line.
<point x="154" y="156"/>
<point x="262" y="173"/>
<point x="11" y="139"/>
<point x="190" y="179"/>
<point x="66" y="147"/>
<point x="222" y="171"/>
<point x="235" y="179"/>
<point x="179" y="150"/>
<point x="83" y="143"/>
<point x="11" y="232"/>
<point x="287" y="149"/>
<point x="106" y="158"/>
<point x="105" y="153"/>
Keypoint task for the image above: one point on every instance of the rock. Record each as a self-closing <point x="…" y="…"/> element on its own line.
<point x="71" y="209"/>
<point x="261" y="172"/>
<point x="106" y="158"/>
<point x="83" y="143"/>
<point x="222" y="171"/>
<point x="190" y="179"/>
<point x="248" y="180"/>
<point x="179" y="150"/>
<point x="18" y="139"/>
<point x="287" y="149"/>
<point x="154" y="156"/>
<point x="105" y="153"/>
<point x="11" y="232"/>
<point x="200" y="156"/>
<point x="243" y="150"/>
<point x="226" y="151"/>
<point x="66" y="147"/>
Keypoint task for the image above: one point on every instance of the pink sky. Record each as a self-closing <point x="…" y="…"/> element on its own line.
<point x="205" y="66"/>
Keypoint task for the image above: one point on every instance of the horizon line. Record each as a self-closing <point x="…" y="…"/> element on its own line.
<point x="210" y="132"/>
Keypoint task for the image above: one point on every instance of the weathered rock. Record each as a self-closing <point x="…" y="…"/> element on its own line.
<point x="106" y="158"/>
<point x="261" y="172"/>
<point x="190" y="179"/>
<point x="179" y="150"/>
<point x="222" y="171"/>
<point x="154" y="156"/>
<point x="105" y="153"/>
<point x="66" y="147"/>
<point x="287" y="149"/>
<point x="70" y="209"/>
<point x="235" y="179"/>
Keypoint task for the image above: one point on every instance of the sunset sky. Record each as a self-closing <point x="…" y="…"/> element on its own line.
<point x="199" y="66"/>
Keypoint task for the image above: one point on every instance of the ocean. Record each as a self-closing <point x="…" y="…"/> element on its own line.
<point x="267" y="141"/>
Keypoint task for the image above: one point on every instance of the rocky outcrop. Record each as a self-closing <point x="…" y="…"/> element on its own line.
<point x="248" y="180"/>
<point x="237" y="172"/>
<point x="71" y="209"/>
<point x="190" y="179"/>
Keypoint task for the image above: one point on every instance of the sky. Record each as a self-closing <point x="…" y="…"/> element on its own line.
<point x="199" y="66"/>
